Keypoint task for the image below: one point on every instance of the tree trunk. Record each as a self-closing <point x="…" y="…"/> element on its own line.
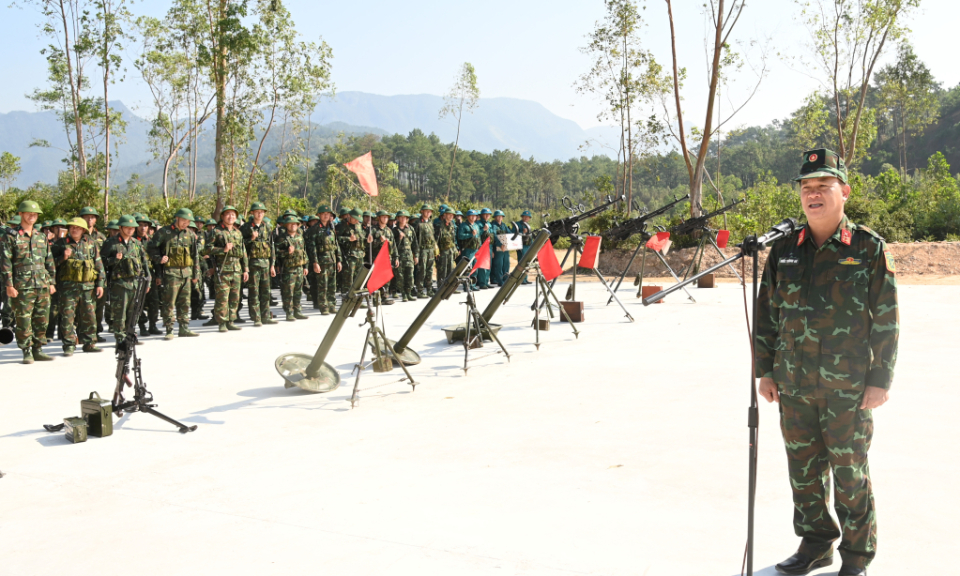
<point x="220" y="77"/>
<point x="74" y="94"/>
<point x="106" y="128"/>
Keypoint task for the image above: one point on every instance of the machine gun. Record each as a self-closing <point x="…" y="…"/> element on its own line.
<point x="570" y="226"/>
<point x="700" y="222"/>
<point x="127" y="357"/>
<point x="638" y="225"/>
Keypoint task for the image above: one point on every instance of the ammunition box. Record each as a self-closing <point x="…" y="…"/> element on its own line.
<point x="75" y="429"/>
<point x="544" y="324"/>
<point x="99" y="415"/>
<point x="707" y="281"/>
<point x="574" y="310"/>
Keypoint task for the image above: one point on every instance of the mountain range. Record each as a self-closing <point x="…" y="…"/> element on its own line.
<point x="523" y="126"/>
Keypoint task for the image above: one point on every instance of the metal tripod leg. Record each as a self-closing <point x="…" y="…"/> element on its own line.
<point x="563" y="311"/>
<point x="354" y="399"/>
<point x="612" y="293"/>
<point x="625" y="270"/>
<point x="493" y="335"/>
<point x="393" y="354"/>
<point x="669" y="269"/>
<point x="554" y="281"/>
<point x="724" y="257"/>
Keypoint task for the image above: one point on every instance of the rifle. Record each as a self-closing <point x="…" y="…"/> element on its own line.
<point x="638" y="225"/>
<point x="570" y="225"/>
<point x="700" y="222"/>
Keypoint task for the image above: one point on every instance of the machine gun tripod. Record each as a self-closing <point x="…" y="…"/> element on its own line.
<point x="476" y="326"/>
<point x="382" y="349"/>
<point x="543" y="289"/>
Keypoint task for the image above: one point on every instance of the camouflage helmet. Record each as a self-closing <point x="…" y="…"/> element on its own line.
<point x="324" y="209"/>
<point x="498" y="213"/>
<point x="486" y="211"/>
<point x="127" y="221"/>
<point x="258" y="206"/>
<point x="471" y="213"/>
<point x="526" y="213"/>
<point x="115" y="225"/>
<point x="403" y="213"/>
<point x="79" y="223"/>
<point x="89" y="211"/>
<point x="382" y="213"/>
<point x="29" y="206"/>
<point x="356" y="213"/>
<point x="185" y="213"/>
<point x="426" y="207"/>
<point x="229" y="208"/>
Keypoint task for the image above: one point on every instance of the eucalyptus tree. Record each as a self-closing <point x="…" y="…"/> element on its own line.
<point x="463" y="97"/>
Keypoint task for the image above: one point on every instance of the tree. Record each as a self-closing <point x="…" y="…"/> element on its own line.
<point x="9" y="170"/>
<point x="848" y="38"/>
<point x="464" y="96"/>
<point x="908" y="94"/>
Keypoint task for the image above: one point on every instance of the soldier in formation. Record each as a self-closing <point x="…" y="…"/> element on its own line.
<point x="407" y="257"/>
<point x="500" y="263"/>
<point x="80" y="283"/>
<point x="229" y="258"/>
<point x="326" y="261"/>
<point x="446" y="236"/>
<point x="125" y="260"/>
<point x="291" y="251"/>
<point x="259" y="246"/>
<point x="426" y="241"/>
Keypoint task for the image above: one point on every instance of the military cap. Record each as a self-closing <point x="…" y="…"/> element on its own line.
<point x="822" y="163"/>
<point x="444" y="207"/>
<point x="79" y="222"/>
<point x="486" y="211"/>
<point x="526" y="213"/>
<point x="46" y="224"/>
<point x="193" y="225"/>
<point x="14" y="221"/>
<point x="141" y="217"/>
<point x="356" y="213"/>
<point x="499" y="213"/>
<point x="290" y="211"/>
<point x="368" y="213"/>
<point x="459" y="213"/>
<point x="323" y="209"/>
<point x="89" y="211"/>
<point x="59" y="222"/>
<point x="305" y="219"/>
<point x="29" y="206"/>
<point x="382" y="213"/>
<point x="403" y="213"/>
<point x="185" y="213"/>
<point x="426" y="207"/>
<point x="342" y="211"/>
<point x="229" y="208"/>
<point x="127" y="221"/>
<point x="290" y="219"/>
<point x="115" y="224"/>
<point x="155" y="223"/>
<point x="471" y="213"/>
<point x="258" y="206"/>
<point x="210" y="222"/>
<point x="198" y="219"/>
<point x="311" y="218"/>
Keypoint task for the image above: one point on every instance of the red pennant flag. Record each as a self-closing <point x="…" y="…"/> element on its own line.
<point x="659" y="242"/>
<point x="722" y="237"/>
<point x="483" y="257"/>
<point x="591" y="253"/>
<point x="363" y="168"/>
<point x="549" y="264"/>
<point x="382" y="271"/>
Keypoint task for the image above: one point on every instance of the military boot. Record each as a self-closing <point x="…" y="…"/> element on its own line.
<point x="143" y="330"/>
<point x="231" y="326"/>
<point x="68" y="351"/>
<point x="298" y="314"/>
<point x="323" y="311"/>
<point x="169" y="335"/>
<point x="269" y="320"/>
<point x="153" y="329"/>
<point x="27" y="356"/>
<point x="39" y="356"/>
<point x="185" y="332"/>
<point x="211" y="322"/>
<point x="100" y="339"/>
<point x="91" y="348"/>
<point x="239" y="320"/>
<point x="290" y="317"/>
<point x="257" y="323"/>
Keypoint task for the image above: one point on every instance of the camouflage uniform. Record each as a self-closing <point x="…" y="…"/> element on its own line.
<point x="353" y="253"/>
<point x="232" y="266"/>
<point x="323" y="249"/>
<point x="123" y="275"/>
<point x="407" y="248"/>
<point x="827" y="327"/>
<point x="447" y="243"/>
<point x="181" y="269"/>
<point x="291" y="285"/>
<point x="197" y="298"/>
<point x="151" y="307"/>
<point x="261" y="256"/>
<point x="78" y="278"/>
<point x="27" y="265"/>
<point x="468" y="236"/>
<point x="100" y="238"/>
<point x="426" y="242"/>
<point x="381" y="235"/>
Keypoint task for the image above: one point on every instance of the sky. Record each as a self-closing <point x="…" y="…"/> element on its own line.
<point x="527" y="49"/>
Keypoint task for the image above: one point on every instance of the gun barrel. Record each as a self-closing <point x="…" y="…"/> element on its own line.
<point x="565" y="226"/>
<point x="444" y="292"/>
<point x="631" y="227"/>
<point x="688" y="226"/>
<point x="349" y="303"/>
<point x="517" y="276"/>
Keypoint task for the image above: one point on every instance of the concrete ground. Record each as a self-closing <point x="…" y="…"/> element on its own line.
<point x="621" y="452"/>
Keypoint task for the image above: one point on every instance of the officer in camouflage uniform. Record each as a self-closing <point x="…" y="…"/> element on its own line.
<point x="125" y="260"/>
<point x="91" y="216"/>
<point x="468" y="236"/>
<point x="197" y="297"/>
<point x="486" y="233"/>
<point x="226" y="247"/>
<point x="27" y="273"/>
<point x="500" y="264"/>
<point x="292" y="253"/>
<point x="259" y="245"/>
<point x="151" y="307"/>
<point x="407" y="251"/>
<point x="827" y="330"/>
<point x="427" y="251"/>
<point x="6" y="315"/>
<point x="174" y="251"/>
<point x="80" y="278"/>
<point x="446" y="237"/>
<point x="379" y="233"/>
<point x="352" y="246"/>
<point x="323" y="253"/>
<point x="312" y="283"/>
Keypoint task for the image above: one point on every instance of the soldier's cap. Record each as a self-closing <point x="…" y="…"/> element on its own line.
<point x="115" y="224"/>
<point x="305" y="218"/>
<point x="356" y="213"/>
<point x="126" y="221"/>
<point x="258" y="206"/>
<point x="79" y="223"/>
<point x="89" y="211"/>
<point x="403" y="213"/>
<point x="199" y="219"/>
<point x="290" y="211"/>
<point x="184" y="213"/>
<point x="486" y="211"/>
<point x="59" y="222"/>
<point x="382" y="213"/>
<point x="526" y="213"/>
<point x="29" y="206"/>
<point x="210" y="222"/>
<point x="821" y="163"/>
<point x="14" y="221"/>
<point x="229" y="208"/>
<point x="471" y="213"/>
<point x="312" y="218"/>
<point x="368" y="213"/>
<point x="46" y="224"/>
<point x="444" y="207"/>
<point x="426" y="207"/>
<point x="193" y="225"/>
<point x="290" y="219"/>
<point x="141" y="217"/>
<point x="154" y="223"/>
<point x="459" y="213"/>
<point x="324" y="209"/>
<point x="499" y="213"/>
<point x="343" y="210"/>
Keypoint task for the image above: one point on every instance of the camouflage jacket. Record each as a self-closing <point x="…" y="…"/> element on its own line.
<point x="180" y="248"/>
<point x="381" y="235"/>
<point x="292" y="261"/>
<point x="447" y="236"/>
<point x="424" y="231"/>
<point x="133" y="260"/>
<point x="233" y="262"/>
<point x="355" y="248"/>
<point x="407" y="247"/>
<point x="26" y="262"/>
<point x="322" y="246"/>
<point x="84" y="262"/>
<point x="827" y="318"/>
<point x="259" y="251"/>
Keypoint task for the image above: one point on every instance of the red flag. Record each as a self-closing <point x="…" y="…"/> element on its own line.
<point x="591" y="253"/>
<point x="483" y="257"/>
<point x="363" y="168"/>
<point x="658" y="242"/>
<point x="382" y="271"/>
<point x="722" y="237"/>
<point x="549" y="264"/>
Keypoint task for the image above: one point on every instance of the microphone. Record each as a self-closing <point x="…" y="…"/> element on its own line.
<point x="778" y="231"/>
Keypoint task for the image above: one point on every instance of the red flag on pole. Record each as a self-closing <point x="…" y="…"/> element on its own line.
<point x="382" y="271"/>
<point x="591" y="252"/>
<point x="483" y="257"/>
<point x="549" y="264"/>
<point x="363" y="168"/>
<point x="723" y="237"/>
<point x="659" y="242"/>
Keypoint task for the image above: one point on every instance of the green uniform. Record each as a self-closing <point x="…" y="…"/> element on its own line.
<point x="27" y="265"/>
<point x="407" y="249"/>
<point x="323" y="249"/>
<point x="6" y="315"/>
<point x="426" y="242"/>
<point x="353" y="253"/>
<point x="486" y="233"/>
<point x="261" y="256"/>
<point x="197" y="299"/>
<point x="123" y="275"/>
<point x="526" y="232"/>
<point x="231" y="266"/>
<point x="102" y="308"/>
<point x="827" y="327"/>
<point x="381" y="235"/>
<point x="500" y="264"/>
<point x="179" y="272"/>
<point x="78" y="277"/>
<point x="291" y="285"/>
<point x="446" y="238"/>
<point x="468" y="236"/>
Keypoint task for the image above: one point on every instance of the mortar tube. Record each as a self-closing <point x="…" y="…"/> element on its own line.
<point x="346" y="308"/>
<point x="444" y="292"/>
<point x="517" y="276"/>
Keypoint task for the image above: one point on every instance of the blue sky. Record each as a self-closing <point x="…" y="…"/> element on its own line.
<point x="521" y="49"/>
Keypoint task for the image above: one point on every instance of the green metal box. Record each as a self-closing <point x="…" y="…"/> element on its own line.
<point x="99" y="415"/>
<point x="75" y="429"/>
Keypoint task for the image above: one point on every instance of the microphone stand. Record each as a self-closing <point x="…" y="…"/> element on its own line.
<point x="751" y="247"/>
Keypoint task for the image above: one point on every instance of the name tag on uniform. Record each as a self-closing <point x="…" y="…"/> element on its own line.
<point x="789" y="261"/>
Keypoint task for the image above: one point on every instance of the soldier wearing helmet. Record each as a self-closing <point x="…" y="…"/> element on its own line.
<point x="125" y="261"/>
<point x="174" y="251"/>
<point x="426" y="257"/>
<point x="260" y="251"/>
<point x="526" y="232"/>
<point x="500" y="264"/>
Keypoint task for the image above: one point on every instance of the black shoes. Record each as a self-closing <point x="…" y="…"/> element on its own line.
<point x="800" y="564"/>
<point x="848" y="570"/>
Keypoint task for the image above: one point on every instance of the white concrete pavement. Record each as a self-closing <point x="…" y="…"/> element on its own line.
<point x="622" y="452"/>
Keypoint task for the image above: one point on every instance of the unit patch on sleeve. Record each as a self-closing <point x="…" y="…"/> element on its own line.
<point x="891" y="265"/>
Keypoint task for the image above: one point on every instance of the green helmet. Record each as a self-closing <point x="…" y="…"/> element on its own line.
<point x="29" y="206"/>
<point x="343" y="210"/>
<point x="115" y="225"/>
<point x="89" y="211"/>
<point x="258" y="206"/>
<point x="46" y="224"/>
<point x="210" y="222"/>
<point x="59" y="222"/>
<point x="127" y="221"/>
<point x="499" y="213"/>
<point x="185" y="213"/>
<point x="368" y="213"/>
<point x="289" y="211"/>
<point x="155" y="224"/>
<point x="290" y="219"/>
<point x="356" y="213"/>
<point x="140" y="217"/>
<point x="229" y="208"/>
<point x="382" y="213"/>
<point x="14" y="221"/>
<point x="312" y="218"/>
<point x="426" y="207"/>
<point x="323" y="209"/>
<point x="403" y="213"/>
<point x="459" y="213"/>
<point x="79" y="223"/>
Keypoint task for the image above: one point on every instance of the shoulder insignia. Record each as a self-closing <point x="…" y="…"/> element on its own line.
<point x="870" y="231"/>
<point x="803" y="236"/>
<point x="846" y="236"/>
<point x="891" y="265"/>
